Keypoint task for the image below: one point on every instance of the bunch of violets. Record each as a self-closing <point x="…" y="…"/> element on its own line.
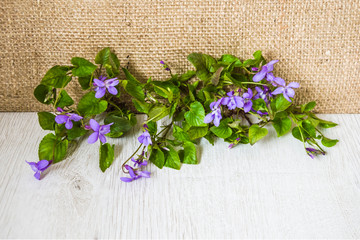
<point x="101" y="85"/>
<point x="234" y="99"/>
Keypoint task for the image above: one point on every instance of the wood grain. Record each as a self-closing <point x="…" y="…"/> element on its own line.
<point x="272" y="189"/>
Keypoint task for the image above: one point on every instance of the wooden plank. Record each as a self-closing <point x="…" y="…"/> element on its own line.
<point x="272" y="189"/>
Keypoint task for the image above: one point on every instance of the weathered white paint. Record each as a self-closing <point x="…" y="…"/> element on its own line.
<point x="272" y="189"/>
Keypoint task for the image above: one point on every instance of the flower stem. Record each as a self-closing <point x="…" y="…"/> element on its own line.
<point x="117" y="107"/>
<point x="123" y="165"/>
<point x="254" y="83"/>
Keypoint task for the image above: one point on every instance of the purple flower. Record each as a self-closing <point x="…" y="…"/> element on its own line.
<point x="101" y="78"/>
<point x="215" y="114"/>
<point x="263" y="93"/>
<point x="145" y="137"/>
<point x="231" y="145"/>
<point x="139" y="162"/>
<point x="67" y="118"/>
<point x="99" y="131"/>
<point x="287" y="91"/>
<point x="39" y="167"/>
<point x="166" y="67"/>
<point x="247" y="100"/>
<point x="134" y="174"/>
<point x="312" y="151"/>
<point x="232" y="101"/>
<point x="266" y="69"/>
<point x="101" y="86"/>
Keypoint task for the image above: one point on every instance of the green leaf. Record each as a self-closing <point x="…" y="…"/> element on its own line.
<point x="90" y="105"/>
<point x="56" y="77"/>
<point x="299" y="134"/>
<point x="216" y="76"/>
<point x="180" y="134"/>
<point x="197" y="132"/>
<point x="259" y="105"/>
<point x="195" y="116"/>
<point x="210" y="137"/>
<point x="157" y="157"/>
<point x="189" y="153"/>
<point x="64" y="100"/>
<point x="256" y="133"/>
<point x="46" y="120"/>
<point x="44" y="94"/>
<point x="76" y="131"/>
<point x="172" y="158"/>
<point x="142" y="107"/>
<point x="186" y="76"/>
<point x="120" y="125"/>
<point x="223" y="130"/>
<point x="135" y="89"/>
<point x="82" y="67"/>
<point x="52" y="148"/>
<point x="158" y="112"/>
<point x="327" y="142"/>
<point x="106" y="156"/>
<point x="229" y="59"/>
<point x="152" y="127"/>
<point x="308" y="107"/>
<point x="109" y="60"/>
<point x="203" y="64"/>
<point x="322" y="123"/>
<point x="282" y="125"/>
<point x="309" y="128"/>
<point x="280" y="104"/>
<point x="84" y="82"/>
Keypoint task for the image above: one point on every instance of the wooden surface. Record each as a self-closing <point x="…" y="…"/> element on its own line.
<point x="272" y="189"/>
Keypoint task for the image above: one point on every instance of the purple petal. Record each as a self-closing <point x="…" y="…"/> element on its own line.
<point x="218" y="102"/>
<point x="212" y="105"/>
<point x="112" y="82"/>
<point x="290" y="92"/>
<point x="131" y="171"/>
<point x="144" y="174"/>
<point x="230" y="94"/>
<point x="59" y="109"/>
<point x="279" y="81"/>
<point x="259" y="90"/>
<point x="60" y="119"/>
<point x="247" y="106"/>
<point x="225" y="101"/>
<point x="37" y="175"/>
<point x="217" y="119"/>
<point x="75" y="117"/>
<point x="294" y="85"/>
<point x="94" y="125"/>
<point x="254" y="69"/>
<point x="141" y="138"/>
<point x="112" y="90"/>
<point x="68" y="124"/>
<point x="286" y="96"/>
<point x="33" y="166"/>
<point x="239" y="101"/>
<point x="260" y="75"/>
<point x="270" y="65"/>
<point x="93" y="137"/>
<point x="162" y="62"/>
<point x="270" y="77"/>
<point x="125" y="179"/>
<point x="102" y="138"/>
<point x="100" y="92"/>
<point x="278" y="90"/>
<point x="105" y="129"/>
<point x="209" y="118"/>
<point x="43" y="164"/>
<point x="99" y="83"/>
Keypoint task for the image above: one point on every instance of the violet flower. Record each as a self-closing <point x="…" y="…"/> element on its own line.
<point x="99" y="131"/>
<point x="134" y="174"/>
<point x="263" y="93"/>
<point x="287" y="91"/>
<point x="139" y="162"/>
<point x="166" y="67"/>
<point x="215" y="114"/>
<point x="67" y="118"/>
<point x="101" y="86"/>
<point x="312" y="151"/>
<point x="145" y="137"/>
<point x="232" y="101"/>
<point x="247" y="100"/>
<point x="101" y="78"/>
<point x="266" y="69"/>
<point x="39" y="167"/>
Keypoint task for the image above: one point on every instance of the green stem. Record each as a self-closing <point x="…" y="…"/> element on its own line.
<point x="117" y="107"/>
<point x="254" y="83"/>
<point x="123" y="165"/>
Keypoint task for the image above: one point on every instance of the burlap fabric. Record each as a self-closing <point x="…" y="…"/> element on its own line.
<point x="316" y="41"/>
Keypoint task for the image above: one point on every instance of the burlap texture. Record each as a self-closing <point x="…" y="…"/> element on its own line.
<point x="316" y="41"/>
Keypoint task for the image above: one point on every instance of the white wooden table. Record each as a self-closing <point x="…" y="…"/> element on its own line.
<point x="272" y="189"/>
